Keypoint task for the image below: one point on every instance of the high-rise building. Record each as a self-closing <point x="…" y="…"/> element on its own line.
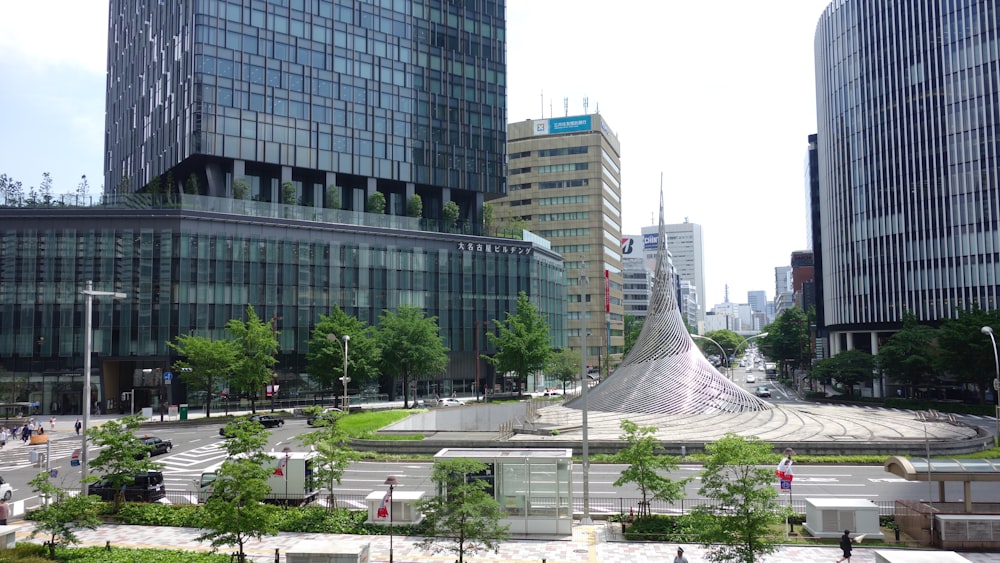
<point x="907" y="164"/>
<point x="637" y="276"/>
<point x="757" y="300"/>
<point x="564" y="182"/>
<point x="250" y="146"/>
<point x="784" y="295"/>
<point x="684" y="241"/>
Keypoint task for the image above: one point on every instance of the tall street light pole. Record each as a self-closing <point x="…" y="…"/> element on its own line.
<point x="87" y="350"/>
<point x="725" y="358"/>
<point x="346" y="339"/>
<point x="987" y="330"/>
<point x="392" y="482"/>
<point x="583" y="399"/>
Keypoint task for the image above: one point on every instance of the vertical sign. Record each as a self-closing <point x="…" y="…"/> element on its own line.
<point x="607" y="291"/>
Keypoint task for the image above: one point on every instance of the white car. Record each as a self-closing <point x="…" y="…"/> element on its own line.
<point x="751" y="378"/>
<point x="6" y="491"/>
<point x="449" y="402"/>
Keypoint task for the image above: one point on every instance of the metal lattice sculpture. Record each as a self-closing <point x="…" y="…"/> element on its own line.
<point x="665" y="372"/>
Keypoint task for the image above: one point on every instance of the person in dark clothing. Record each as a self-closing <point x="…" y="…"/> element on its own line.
<point x="846" y="545"/>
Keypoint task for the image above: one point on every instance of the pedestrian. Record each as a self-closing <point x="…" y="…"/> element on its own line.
<point x="4" y="512"/>
<point x="52" y="423"/>
<point x="846" y="546"/>
<point x="25" y="433"/>
<point x="680" y="556"/>
<point x="78" y="425"/>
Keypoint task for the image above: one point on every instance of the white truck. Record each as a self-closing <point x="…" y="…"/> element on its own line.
<point x="292" y="479"/>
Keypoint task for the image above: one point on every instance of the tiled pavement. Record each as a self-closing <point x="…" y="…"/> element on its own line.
<point x="589" y="544"/>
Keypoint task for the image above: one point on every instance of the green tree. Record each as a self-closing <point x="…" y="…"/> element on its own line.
<point x="376" y="203"/>
<point x="325" y="358"/>
<point x="729" y="341"/>
<point x="965" y="351"/>
<point x="909" y="356"/>
<point x="205" y="363"/>
<point x="45" y="189"/>
<point x="64" y="514"/>
<point x="333" y="197"/>
<point x="632" y="328"/>
<point x="488" y="216"/>
<point x="121" y="454"/>
<point x="463" y="518"/>
<point x="415" y="206"/>
<point x="522" y="342"/>
<point x="82" y="191"/>
<point x="256" y="345"/>
<point x="332" y="447"/>
<point x="737" y="475"/>
<point x="645" y="464"/>
<point x="191" y="186"/>
<point x="235" y="512"/>
<point x="241" y="188"/>
<point x="565" y="366"/>
<point x="411" y="346"/>
<point x="450" y="213"/>
<point x="288" y="196"/>
<point x="787" y="339"/>
<point x="850" y="368"/>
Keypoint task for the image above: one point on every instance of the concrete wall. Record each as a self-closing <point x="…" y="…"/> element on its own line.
<point x="469" y="418"/>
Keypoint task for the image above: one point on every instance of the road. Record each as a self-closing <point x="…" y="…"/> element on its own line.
<point x="198" y="449"/>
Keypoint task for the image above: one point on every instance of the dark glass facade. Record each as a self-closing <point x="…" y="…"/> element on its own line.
<point x="191" y="270"/>
<point x="908" y="97"/>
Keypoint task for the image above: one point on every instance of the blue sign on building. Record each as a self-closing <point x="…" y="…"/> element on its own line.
<point x="569" y="124"/>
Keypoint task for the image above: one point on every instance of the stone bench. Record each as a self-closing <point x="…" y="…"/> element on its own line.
<point x="8" y="536"/>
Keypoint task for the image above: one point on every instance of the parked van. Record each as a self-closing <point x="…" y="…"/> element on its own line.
<point x="292" y="479"/>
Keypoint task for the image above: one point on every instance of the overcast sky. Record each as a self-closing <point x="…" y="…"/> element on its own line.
<point x="717" y="96"/>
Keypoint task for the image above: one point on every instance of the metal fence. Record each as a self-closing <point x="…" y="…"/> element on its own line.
<point x="599" y="507"/>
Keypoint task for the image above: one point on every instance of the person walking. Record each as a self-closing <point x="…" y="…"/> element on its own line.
<point x="78" y="425"/>
<point x="4" y="512"/>
<point x="846" y="545"/>
<point x="680" y="556"/>
<point x="52" y="422"/>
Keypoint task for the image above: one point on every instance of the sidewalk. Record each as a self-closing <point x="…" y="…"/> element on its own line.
<point x="589" y="544"/>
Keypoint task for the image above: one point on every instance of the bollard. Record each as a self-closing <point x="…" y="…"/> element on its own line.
<point x="276" y="555"/>
<point x="684" y="451"/>
<point x="897" y="534"/>
<point x="107" y="545"/>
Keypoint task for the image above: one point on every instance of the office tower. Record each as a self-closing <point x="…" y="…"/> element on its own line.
<point x="907" y="168"/>
<point x="250" y="146"/>
<point x="757" y="300"/>
<point x="684" y="241"/>
<point x="784" y="296"/>
<point x="564" y="182"/>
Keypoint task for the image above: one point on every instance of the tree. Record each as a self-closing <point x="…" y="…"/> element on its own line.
<point x="737" y="475"/>
<point x="256" y="345"/>
<point x="333" y="197"/>
<point x="908" y="357"/>
<point x="565" y="366"/>
<point x="325" y="359"/>
<point x="521" y="341"/>
<point x="729" y="341"/>
<point x="332" y="447"/>
<point x="965" y="351"/>
<point x="82" y="191"/>
<point x="206" y="362"/>
<point x="463" y="518"/>
<point x="191" y="186"/>
<point x="787" y="339"/>
<point x="632" y="327"/>
<point x="415" y="206"/>
<point x="376" y="203"/>
<point x="121" y="454"/>
<point x="850" y="368"/>
<point x="411" y="346"/>
<point x="487" y="216"/>
<point x="45" y="189"/>
<point x="288" y="196"/>
<point x="645" y="465"/>
<point x="235" y="512"/>
<point x="450" y="213"/>
<point x="11" y="190"/>
<point x="63" y="515"/>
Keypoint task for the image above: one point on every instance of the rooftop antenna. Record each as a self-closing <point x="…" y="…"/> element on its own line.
<point x="550" y="108"/>
<point x="586" y="103"/>
<point x="598" y="109"/>
<point x="541" y="96"/>
<point x="566" y="107"/>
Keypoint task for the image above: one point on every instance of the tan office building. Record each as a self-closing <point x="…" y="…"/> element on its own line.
<point x="564" y="180"/>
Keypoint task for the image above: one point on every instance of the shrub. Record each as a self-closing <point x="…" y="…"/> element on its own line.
<point x="124" y="555"/>
<point x="677" y="529"/>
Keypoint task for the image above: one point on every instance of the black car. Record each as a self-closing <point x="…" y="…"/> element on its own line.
<point x="146" y="487"/>
<point x="155" y="446"/>
<point x="265" y="420"/>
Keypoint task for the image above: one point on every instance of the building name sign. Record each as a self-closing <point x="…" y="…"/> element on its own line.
<point x="489" y="248"/>
<point x="558" y="125"/>
<point x="649" y="241"/>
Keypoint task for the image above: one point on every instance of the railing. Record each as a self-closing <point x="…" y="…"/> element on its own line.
<point x="599" y="507"/>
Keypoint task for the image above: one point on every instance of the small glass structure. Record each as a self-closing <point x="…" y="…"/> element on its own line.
<point x="534" y="486"/>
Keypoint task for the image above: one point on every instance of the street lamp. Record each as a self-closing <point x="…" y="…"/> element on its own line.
<point x="747" y="341"/>
<point x="725" y="357"/>
<point x="583" y="399"/>
<point x="344" y="378"/>
<point x="392" y="482"/>
<point x="996" y="381"/>
<point x="87" y="346"/>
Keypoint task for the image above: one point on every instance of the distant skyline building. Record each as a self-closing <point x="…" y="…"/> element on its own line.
<point x="637" y="274"/>
<point x="684" y="240"/>
<point x="564" y="182"/>
<point x="784" y="295"/>
<point x="907" y="97"/>
<point x="757" y="300"/>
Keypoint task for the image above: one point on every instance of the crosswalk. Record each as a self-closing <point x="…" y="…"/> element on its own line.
<point x="180" y="471"/>
<point x="17" y="455"/>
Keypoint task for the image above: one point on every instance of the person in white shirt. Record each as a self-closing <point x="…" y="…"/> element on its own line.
<point x="680" y="556"/>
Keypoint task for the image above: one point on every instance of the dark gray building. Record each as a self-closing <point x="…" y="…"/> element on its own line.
<point x="245" y="143"/>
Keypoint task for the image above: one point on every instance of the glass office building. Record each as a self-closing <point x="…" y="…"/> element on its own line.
<point x="909" y="210"/>
<point x="248" y="147"/>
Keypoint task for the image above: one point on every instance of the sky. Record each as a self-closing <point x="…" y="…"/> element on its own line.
<point x="716" y="97"/>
